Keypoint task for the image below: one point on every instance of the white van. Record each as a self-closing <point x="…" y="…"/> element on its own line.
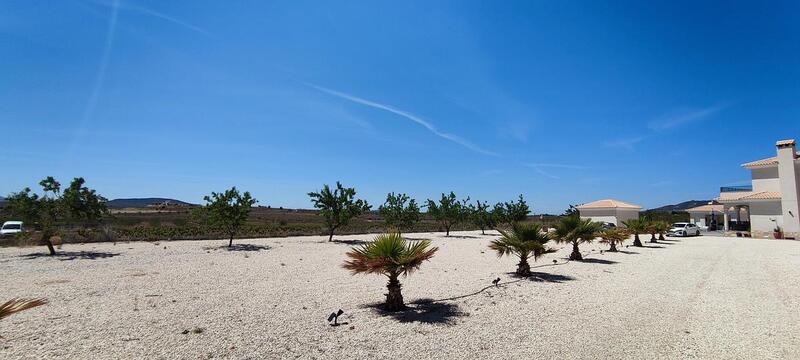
<point x="10" y="228"/>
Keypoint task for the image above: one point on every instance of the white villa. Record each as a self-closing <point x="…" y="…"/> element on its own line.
<point x="609" y="210"/>
<point x="707" y="215"/>
<point x="772" y="199"/>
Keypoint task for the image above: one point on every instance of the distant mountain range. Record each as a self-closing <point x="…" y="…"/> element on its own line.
<point x="143" y="202"/>
<point x="682" y="206"/>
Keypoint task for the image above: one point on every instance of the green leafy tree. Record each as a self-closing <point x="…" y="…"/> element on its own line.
<point x="400" y="212"/>
<point x="338" y="207"/>
<point x="524" y="241"/>
<point x="390" y="255"/>
<point x="510" y="213"/>
<point x="571" y="211"/>
<point x="53" y="210"/>
<point x="574" y="230"/>
<point x="83" y="205"/>
<point x="448" y="211"/>
<point x="228" y="210"/>
<point x="636" y="226"/>
<point x="481" y="216"/>
<point x="614" y="237"/>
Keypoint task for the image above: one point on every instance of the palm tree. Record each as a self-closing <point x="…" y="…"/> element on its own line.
<point x="574" y="230"/>
<point x="524" y="241"/>
<point x="636" y="226"/>
<point x="652" y="230"/>
<point x="661" y="227"/>
<point x="390" y="255"/>
<point x="14" y="306"/>
<point x="613" y="237"/>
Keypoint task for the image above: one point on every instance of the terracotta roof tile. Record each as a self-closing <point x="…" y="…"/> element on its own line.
<point x="748" y="195"/>
<point x="608" y="203"/>
<point x="766" y="162"/>
<point x="706" y="208"/>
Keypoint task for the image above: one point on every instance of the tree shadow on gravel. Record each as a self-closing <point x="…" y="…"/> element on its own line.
<point x="348" y="242"/>
<point x="426" y="311"/>
<point x="652" y="247"/>
<point x="598" y="261"/>
<point x="416" y="239"/>
<point x="540" y="277"/>
<point x="551" y="278"/>
<point x="72" y="255"/>
<point x="238" y="247"/>
<point x="462" y="237"/>
<point x="627" y="252"/>
<point x="246" y="247"/>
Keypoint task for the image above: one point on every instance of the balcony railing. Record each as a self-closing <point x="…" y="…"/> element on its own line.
<point x="736" y="188"/>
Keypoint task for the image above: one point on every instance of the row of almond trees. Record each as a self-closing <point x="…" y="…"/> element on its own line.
<point x="391" y="255"/>
<point x="228" y="211"/>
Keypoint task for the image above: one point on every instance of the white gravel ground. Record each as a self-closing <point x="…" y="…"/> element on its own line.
<point x="706" y="297"/>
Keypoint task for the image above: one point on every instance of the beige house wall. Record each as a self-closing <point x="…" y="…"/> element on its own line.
<point x="612" y="215"/>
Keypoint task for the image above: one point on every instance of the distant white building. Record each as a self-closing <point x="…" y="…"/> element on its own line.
<point x="706" y="215"/>
<point x="771" y="200"/>
<point x="609" y="210"/>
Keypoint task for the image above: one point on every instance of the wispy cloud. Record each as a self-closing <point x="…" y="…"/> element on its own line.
<point x="546" y="173"/>
<point x="100" y="76"/>
<point x="540" y="168"/>
<point x="151" y="12"/>
<point x="668" y="122"/>
<point x="427" y="125"/>
<point x="625" y="143"/>
<point x="554" y="165"/>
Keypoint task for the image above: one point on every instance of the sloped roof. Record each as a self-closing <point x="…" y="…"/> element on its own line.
<point x="707" y="208"/>
<point x="749" y="195"/>
<point x="766" y="162"/>
<point x="608" y="204"/>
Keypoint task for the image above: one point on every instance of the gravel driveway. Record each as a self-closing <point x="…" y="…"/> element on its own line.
<point x="702" y="297"/>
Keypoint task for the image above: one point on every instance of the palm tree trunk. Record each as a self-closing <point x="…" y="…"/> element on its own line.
<point x="613" y="247"/>
<point x="330" y="234"/>
<point x="46" y="235"/>
<point x="661" y="236"/>
<point x="576" y="253"/>
<point x="653" y="238"/>
<point x="394" y="298"/>
<point x="483" y="231"/>
<point x="523" y="268"/>
<point x="636" y="241"/>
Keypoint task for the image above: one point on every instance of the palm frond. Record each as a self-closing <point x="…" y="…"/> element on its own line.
<point x="16" y="305"/>
<point x="389" y="253"/>
<point x="524" y="240"/>
<point x="573" y="229"/>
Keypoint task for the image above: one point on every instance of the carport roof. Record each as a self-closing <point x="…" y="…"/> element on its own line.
<point x="609" y="204"/>
<point x="707" y="208"/>
<point x="744" y="196"/>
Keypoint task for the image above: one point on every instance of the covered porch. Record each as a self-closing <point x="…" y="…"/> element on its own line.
<point x="754" y="214"/>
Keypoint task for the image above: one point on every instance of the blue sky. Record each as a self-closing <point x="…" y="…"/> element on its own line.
<point x="563" y="102"/>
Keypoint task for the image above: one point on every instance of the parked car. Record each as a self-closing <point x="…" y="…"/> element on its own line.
<point x="683" y="229"/>
<point x="10" y="228"/>
<point x="607" y="225"/>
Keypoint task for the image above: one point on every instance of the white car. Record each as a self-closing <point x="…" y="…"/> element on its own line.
<point x="10" y="228"/>
<point x="684" y="229"/>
